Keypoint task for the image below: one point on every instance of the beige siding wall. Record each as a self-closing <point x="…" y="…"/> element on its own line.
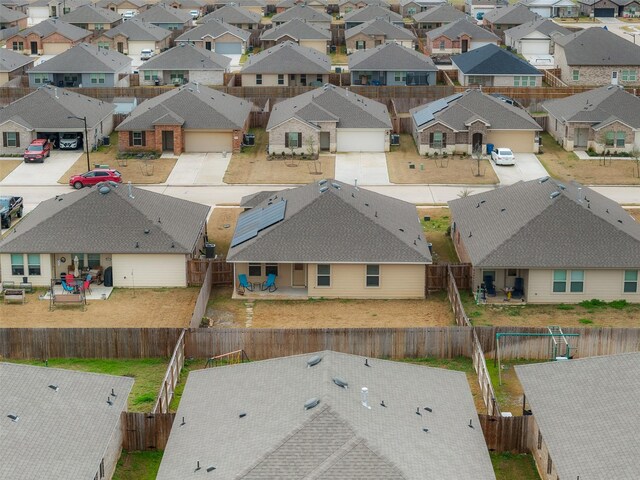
<point x="277" y="137"/>
<point x="149" y="270"/>
<point x="541" y="454"/>
<point x="507" y="81"/>
<point x="283" y="279"/>
<point x="348" y="281"/>
<point x="42" y="280"/>
<point x="601" y="284"/>
<point x="4" y="77"/>
<point x="113" y="451"/>
<point x="268" y="80"/>
<point x="26" y="136"/>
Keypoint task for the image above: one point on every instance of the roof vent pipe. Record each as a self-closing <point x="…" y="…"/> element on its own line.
<point x="364" y="395"/>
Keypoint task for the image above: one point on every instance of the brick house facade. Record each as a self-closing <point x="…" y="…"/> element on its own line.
<point x="16" y="41"/>
<point x="372" y="41"/>
<point x="439" y="138"/>
<point x="613" y="137"/>
<point x="278" y="141"/>
<point x="443" y="45"/>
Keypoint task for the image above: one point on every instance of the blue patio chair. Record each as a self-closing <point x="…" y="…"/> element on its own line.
<point x="244" y="283"/>
<point x="270" y="283"/>
<point x="66" y="288"/>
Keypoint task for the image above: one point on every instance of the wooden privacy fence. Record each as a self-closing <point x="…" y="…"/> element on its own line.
<point x="221" y="271"/>
<point x="507" y="434"/>
<point x="454" y="299"/>
<point x="484" y="380"/>
<point x="43" y="343"/>
<point x="200" y="307"/>
<point x="145" y="431"/>
<point x="438" y="276"/>
<point x="260" y="344"/>
<point x="171" y="378"/>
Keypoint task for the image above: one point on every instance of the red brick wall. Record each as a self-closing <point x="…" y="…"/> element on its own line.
<point x="150" y="140"/>
<point x="177" y="138"/>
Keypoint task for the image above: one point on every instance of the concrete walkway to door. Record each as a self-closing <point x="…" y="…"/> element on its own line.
<point x="199" y="169"/>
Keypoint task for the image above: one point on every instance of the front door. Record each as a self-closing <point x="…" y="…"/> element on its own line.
<point x="477" y="141"/>
<point x="207" y="45"/>
<point x="167" y="140"/>
<point x="582" y="135"/>
<point x="614" y="77"/>
<point x="34" y="48"/>
<point x="120" y="47"/>
<point x="465" y="45"/>
<point x="298" y="279"/>
<point x="325" y="141"/>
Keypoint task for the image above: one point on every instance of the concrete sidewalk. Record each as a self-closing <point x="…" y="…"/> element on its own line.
<point x="582" y="155"/>
<point x="368" y="168"/>
<point x="199" y="169"/>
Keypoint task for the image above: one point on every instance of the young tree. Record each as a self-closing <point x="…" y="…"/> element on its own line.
<point x="311" y="146"/>
<point x="476" y="154"/>
<point x="635" y="154"/>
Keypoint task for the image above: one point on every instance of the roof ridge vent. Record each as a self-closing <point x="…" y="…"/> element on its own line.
<point x="554" y="194"/>
<point x="316" y="359"/>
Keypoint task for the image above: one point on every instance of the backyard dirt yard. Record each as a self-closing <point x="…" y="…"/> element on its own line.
<point x="8" y="166"/>
<point x="635" y="213"/>
<point x="436" y="231"/>
<point x="220" y="227"/>
<point x="566" y="166"/>
<point x="144" y="308"/>
<point x="253" y="167"/>
<point x="448" y="171"/>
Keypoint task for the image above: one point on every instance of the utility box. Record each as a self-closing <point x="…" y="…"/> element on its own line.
<point x="395" y="139"/>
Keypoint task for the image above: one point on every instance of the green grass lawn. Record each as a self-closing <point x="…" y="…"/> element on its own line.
<point x="147" y="373"/>
<point x="138" y="465"/>
<point x="510" y="466"/>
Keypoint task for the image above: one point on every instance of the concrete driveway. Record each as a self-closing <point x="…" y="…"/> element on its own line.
<point x="47" y="173"/>
<point x="369" y="168"/>
<point x="199" y="169"/>
<point x="527" y="167"/>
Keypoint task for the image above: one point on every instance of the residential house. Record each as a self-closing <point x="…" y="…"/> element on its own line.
<point x="328" y="119"/>
<point x="606" y="385"/>
<point x="302" y="12"/>
<point x="608" y="8"/>
<point x="217" y="36"/>
<point x="391" y="64"/>
<point x="458" y="37"/>
<point x="350" y="262"/>
<point x="236" y="16"/>
<point x="534" y="38"/>
<point x="372" y="12"/>
<point x="92" y="18"/>
<point x="552" y="8"/>
<point x="188" y="6"/>
<point x="606" y="118"/>
<point x="466" y="122"/>
<point x="376" y="32"/>
<point x="514" y="233"/>
<point x="351" y="434"/>
<point x="166" y="17"/>
<point x="300" y="32"/>
<point x="44" y="114"/>
<point x="479" y="8"/>
<point x="286" y="64"/>
<point x="319" y="5"/>
<point x="83" y="65"/>
<point x="408" y="8"/>
<point x="41" y="10"/>
<point x="191" y="118"/>
<point x="12" y="18"/>
<point x="595" y="56"/>
<point x="258" y="7"/>
<point x="49" y="37"/>
<point x="504" y="18"/>
<point x="123" y="6"/>
<point x="17" y="5"/>
<point x="12" y="65"/>
<point x="348" y="6"/>
<point x="49" y="409"/>
<point x="438" y="16"/>
<point x="145" y="238"/>
<point x="492" y="66"/>
<point x="133" y="36"/>
<point x="185" y="63"/>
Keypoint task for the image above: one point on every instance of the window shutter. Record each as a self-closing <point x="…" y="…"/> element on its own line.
<point x="431" y="138"/>
<point x="444" y="140"/>
<point x="130" y="139"/>
<point x="17" y="139"/>
<point x="4" y="139"/>
<point x="286" y="139"/>
<point x="299" y="139"/>
<point x="144" y="138"/>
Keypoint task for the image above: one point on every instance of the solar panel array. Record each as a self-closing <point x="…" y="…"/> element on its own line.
<point x="250" y="223"/>
<point x="428" y="113"/>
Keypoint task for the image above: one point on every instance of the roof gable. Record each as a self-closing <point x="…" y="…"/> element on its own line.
<point x="187" y="57"/>
<point x="597" y="46"/>
<point x="214" y="28"/>
<point x="298" y="29"/>
<point x="302" y="12"/>
<point x="390" y="56"/>
<point x="513" y="14"/>
<point x="461" y="27"/>
<point x="232" y="14"/>
<point x="91" y="14"/>
<point x="84" y="58"/>
<point x="493" y="60"/>
<point x="287" y="57"/>
<point x="136" y="30"/>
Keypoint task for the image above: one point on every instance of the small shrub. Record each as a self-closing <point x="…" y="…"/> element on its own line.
<point x="564" y="306"/>
<point x="585" y="321"/>
<point x="475" y="314"/>
<point x="593" y="303"/>
<point x="146" y="398"/>
<point x="514" y="312"/>
<point x="618" y="304"/>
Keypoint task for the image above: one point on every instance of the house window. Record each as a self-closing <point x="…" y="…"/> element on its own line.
<point x="559" y="281"/>
<point x="255" y="270"/>
<point x="475" y="80"/>
<point x="17" y="264"/>
<point x="271" y="268"/>
<point x="98" y="78"/>
<point x="258" y="79"/>
<point x="549" y="464"/>
<point x="40" y="78"/>
<point x="629" y="75"/>
<point x="103" y="45"/>
<point x="524" y="81"/>
<point x="630" y="281"/>
<point x="609" y="138"/>
<point x="177" y="77"/>
<point x="137" y="139"/>
<point x="280" y="79"/>
<point x="98" y="26"/>
<point x="441" y="44"/>
<point x="360" y="44"/>
<point x="575" y="75"/>
<point x="293" y="139"/>
<point x="400" y="76"/>
<point x="438" y="140"/>
<point x="151" y="75"/>
<point x="33" y="263"/>
<point x="10" y="139"/>
<point x="93" y="260"/>
<point x="539" y="439"/>
<point x="577" y="281"/>
<point x="303" y="79"/>
<point x="323" y="278"/>
<point x="319" y="78"/>
<point x="373" y="275"/>
<point x="411" y="11"/>
<point x="18" y="46"/>
<point x="620" y="138"/>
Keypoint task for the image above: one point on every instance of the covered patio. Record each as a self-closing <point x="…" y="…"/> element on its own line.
<point x="95" y="292"/>
<point x="282" y="293"/>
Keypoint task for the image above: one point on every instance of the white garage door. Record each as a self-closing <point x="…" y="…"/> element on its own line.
<point x="517" y="141"/>
<point x="55" y="48"/>
<point x="136" y="47"/>
<point x="535" y="47"/>
<point x="475" y="45"/>
<point x="542" y="11"/>
<point x="195" y="142"/>
<point x="356" y="140"/>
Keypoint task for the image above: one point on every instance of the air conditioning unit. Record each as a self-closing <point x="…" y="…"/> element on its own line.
<point x="395" y="139"/>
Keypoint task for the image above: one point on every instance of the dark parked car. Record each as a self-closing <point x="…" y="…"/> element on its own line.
<point x="94" y="177"/>
<point x="10" y="207"/>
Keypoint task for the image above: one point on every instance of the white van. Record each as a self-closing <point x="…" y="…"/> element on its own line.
<point x="146" y="54"/>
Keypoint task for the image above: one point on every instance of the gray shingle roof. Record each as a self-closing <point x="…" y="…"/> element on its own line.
<point x="493" y="60"/>
<point x="10" y="60"/>
<point x="453" y="30"/>
<point x="84" y="58"/>
<point x="446" y="13"/>
<point x="511" y="15"/>
<point x="137" y="30"/>
<point x="91" y="14"/>
<point x="49" y="107"/>
<point x="542" y="25"/>
<point x="302" y="12"/>
<point x="458" y="110"/>
<point x="8" y="15"/>
<point x="370" y="12"/>
<point x="378" y="26"/>
<point x="89" y="221"/>
<point x="241" y="3"/>
<point x="50" y="26"/>
<point x="383" y="3"/>
<point x="597" y="46"/>
<point x="298" y="30"/>
<point x="292" y="3"/>
<point x="355" y="234"/>
<point x="69" y="428"/>
<point x="107" y="3"/>
<point x="597" y="106"/>
<point x="233" y="14"/>
<point x="199" y="107"/>
<point x="213" y="28"/>
<point x="339" y="438"/>
<point x="602" y="445"/>
<point x="288" y="57"/>
<point x="526" y="234"/>
<point x="187" y="57"/>
<point x="160" y="13"/>
<point x="390" y="57"/>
